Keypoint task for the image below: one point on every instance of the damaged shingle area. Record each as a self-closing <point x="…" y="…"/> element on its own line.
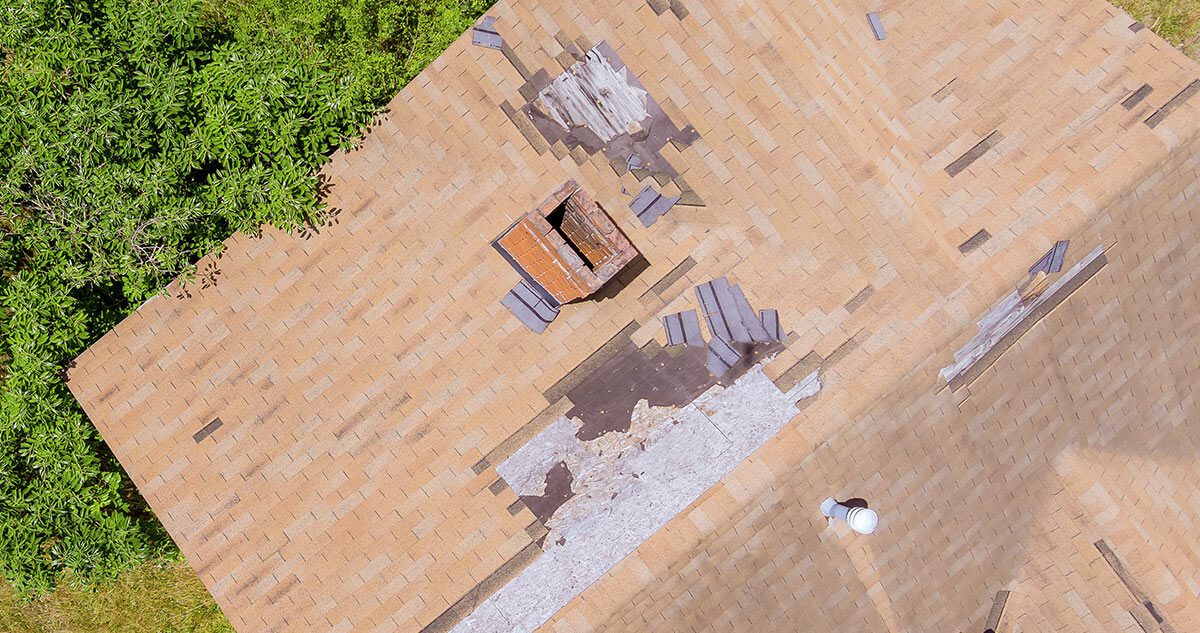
<point x="599" y="106"/>
<point x="605" y="398"/>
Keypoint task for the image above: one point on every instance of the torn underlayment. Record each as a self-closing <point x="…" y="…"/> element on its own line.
<point x="625" y="486"/>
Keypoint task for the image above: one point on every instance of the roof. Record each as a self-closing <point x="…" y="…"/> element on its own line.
<point x="369" y="383"/>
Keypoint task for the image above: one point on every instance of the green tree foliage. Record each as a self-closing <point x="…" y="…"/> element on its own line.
<point x="381" y="44"/>
<point x="136" y="136"/>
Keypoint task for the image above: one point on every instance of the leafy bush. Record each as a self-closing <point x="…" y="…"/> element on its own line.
<point x="138" y="134"/>
<point x="381" y="44"/>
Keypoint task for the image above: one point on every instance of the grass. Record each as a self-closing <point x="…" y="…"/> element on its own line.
<point x="168" y="596"/>
<point x="1177" y="21"/>
<point x="154" y="596"/>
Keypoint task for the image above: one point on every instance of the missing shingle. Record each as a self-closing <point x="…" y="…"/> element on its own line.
<point x="1136" y="26"/>
<point x="1174" y="103"/>
<point x="1156" y="620"/>
<point x="660" y="6"/>
<point x="1136" y="97"/>
<point x="973" y="154"/>
<point x="678" y="9"/>
<point x="859" y="299"/>
<point x="975" y="241"/>
<point x="207" y="430"/>
<point x="876" y="26"/>
<point x="668" y="280"/>
<point x="480" y="592"/>
<point x="978" y="355"/>
<point x="611" y="348"/>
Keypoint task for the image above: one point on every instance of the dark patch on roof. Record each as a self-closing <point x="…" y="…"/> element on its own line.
<point x="207" y="430"/>
<point x="1170" y="106"/>
<point x="480" y="592"/>
<point x="859" y="299"/>
<point x="962" y="162"/>
<point x="678" y="272"/>
<point x="1137" y="96"/>
<point x="946" y="90"/>
<point x="557" y="492"/>
<point x="975" y="241"/>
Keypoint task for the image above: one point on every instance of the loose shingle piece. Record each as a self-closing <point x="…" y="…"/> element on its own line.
<point x="729" y="315"/>
<point x="485" y="34"/>
<point x="530" y="307"/>
<point x="683" y="328"/>
<point x="650" y="205"/>
<point x="1052" y="261"/>
<point x="722" y="356"/>
<point x="876" y="26"/>
<point x="770" y="322"/>
<point x="735" y="326"/>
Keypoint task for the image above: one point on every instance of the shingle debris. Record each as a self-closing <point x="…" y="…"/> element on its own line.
<point x="734" y="324"/>
<point x="683" y="328"/>
<point x="650" y="205"/>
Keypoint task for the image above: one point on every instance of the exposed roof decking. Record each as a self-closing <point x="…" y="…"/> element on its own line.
<point x="360" y="373"/>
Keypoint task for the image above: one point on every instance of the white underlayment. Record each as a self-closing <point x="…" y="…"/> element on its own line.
<point x="595" y="95"/>
<point x="667" y="459"/>
<point x="1005" y="316"/>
